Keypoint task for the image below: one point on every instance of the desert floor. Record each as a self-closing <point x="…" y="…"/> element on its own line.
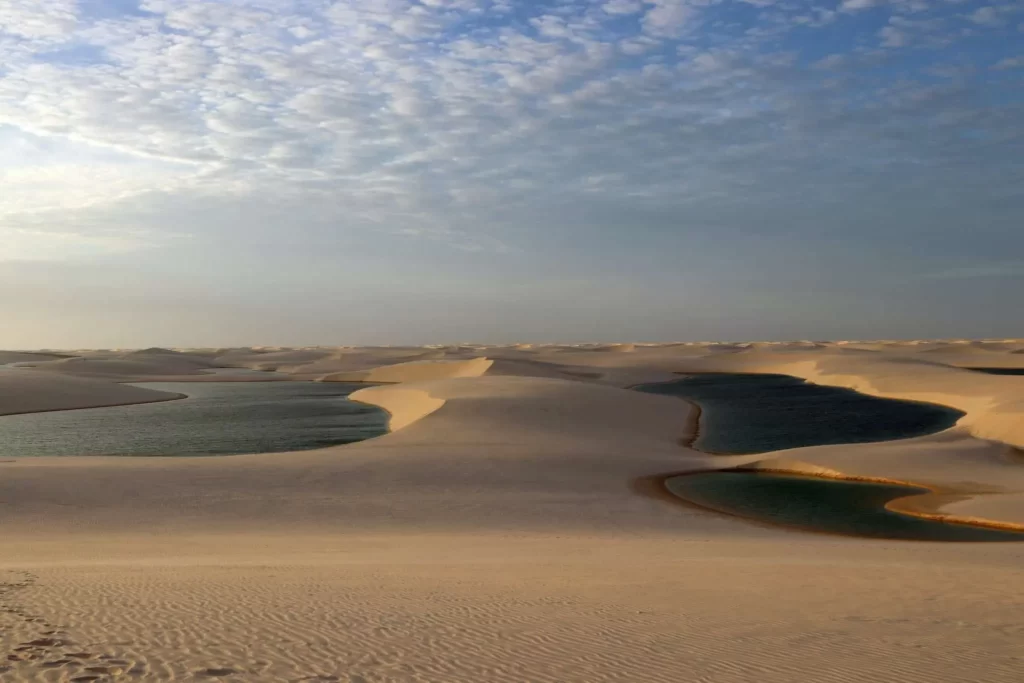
<point x="507" y="529"/>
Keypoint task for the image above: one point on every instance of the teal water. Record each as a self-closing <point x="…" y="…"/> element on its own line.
<point x="746" y="413"/>
<point x="818" y="504"/>
<point x="753" y="413"/>
<point x="217" y="418"/>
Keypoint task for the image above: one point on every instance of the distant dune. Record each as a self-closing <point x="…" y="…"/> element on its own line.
<point x="29" y="391"/>
<point x="27" y="357"/>
<point x="415" y="371"/>
<point x="126" y="366"/>
<point x="511" y="527"/>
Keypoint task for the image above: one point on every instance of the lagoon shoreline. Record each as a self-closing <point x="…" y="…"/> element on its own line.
<point x="499" y="532"/>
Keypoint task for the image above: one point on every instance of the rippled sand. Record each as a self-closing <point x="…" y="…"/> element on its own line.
<point x="500" y="533"/>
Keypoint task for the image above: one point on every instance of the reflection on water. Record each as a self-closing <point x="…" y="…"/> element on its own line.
<point x="756" y="413"/>
<point x="818" y="504"/>
<point x="217" y="418"/>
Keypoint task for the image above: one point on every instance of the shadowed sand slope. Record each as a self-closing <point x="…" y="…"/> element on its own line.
<point x="406" y="405"/>
<point x="517" y="453"/>
<point x="28" y="391"/>
<point x="128" y="366"/>
<point x="26" y="357"/>
<point x="415" y="371"/>
<point x="125" y="367"/>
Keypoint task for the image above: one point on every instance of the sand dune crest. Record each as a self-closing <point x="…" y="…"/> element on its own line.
<point x="498" y="533"/>
<point x="415" y="371"/>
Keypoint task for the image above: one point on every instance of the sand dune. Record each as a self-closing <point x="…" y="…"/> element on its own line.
<point x="523" y="367"/>
<point x="406" y="405"/>
<point x="282" y="360"/>
<point x="124" y="367"/>
<point x="148" y="365"/>
<point x="7" y="357"/>
<point x="415" y="371"/>
<point x="993" y="404"/>
<point x="506" y="530"/>
<point x="315" y="363"/>
<point x="355" y="360"/>
<point x="29" y="391"/>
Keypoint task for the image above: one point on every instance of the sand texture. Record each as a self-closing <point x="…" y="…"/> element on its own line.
<point x="508" y="529"/>
<point x="30" y="391"/>
<point x="415" y="371"/>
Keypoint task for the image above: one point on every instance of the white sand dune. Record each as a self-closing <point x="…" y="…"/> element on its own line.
<point x="415" y="371"/>
<point x="148" y="365"/>
<point x="8" y="357"/>
<point x="315" y="363"/>
<point x="281" y="360"/>
<point x="124" y="367"/>
<point x="508" y="529"/>
<point x="29" y="391"/>
<point x="355" y="360"/>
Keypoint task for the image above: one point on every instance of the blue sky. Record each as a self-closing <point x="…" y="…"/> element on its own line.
<point x="218" y="172"/>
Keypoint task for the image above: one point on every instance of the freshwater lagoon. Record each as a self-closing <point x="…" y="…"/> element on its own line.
<point x="216" y="418"/>
<point x="743" y="413"/>
<point x="756" y="413"/>
<point x="854" y="508"/>
<point x="998" y="371"/>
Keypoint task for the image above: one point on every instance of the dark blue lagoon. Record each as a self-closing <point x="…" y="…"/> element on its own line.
<point x="809" y="503"/>
<point x="217" y="418"/>
<point x="998" y="371"/>
<point x="754" y="413"/>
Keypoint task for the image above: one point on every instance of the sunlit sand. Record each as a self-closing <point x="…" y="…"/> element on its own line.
<point x="504" y="530"/>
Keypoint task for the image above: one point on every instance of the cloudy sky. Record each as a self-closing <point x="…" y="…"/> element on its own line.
<point x="219" y="172"/>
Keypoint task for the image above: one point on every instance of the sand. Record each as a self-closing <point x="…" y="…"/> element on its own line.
<point x="504" y="532"/>
<point x="11" y="357"/>
<point x="31" y="391"/>
<point x="415" y="371"/>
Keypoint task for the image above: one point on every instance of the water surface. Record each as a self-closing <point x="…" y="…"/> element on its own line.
<point x="217" y="418"/>
<point x="998" y="371"/>
<point x="755" y="413"/>
<point x="246" y="372"/>
<point x="818" y="504"/>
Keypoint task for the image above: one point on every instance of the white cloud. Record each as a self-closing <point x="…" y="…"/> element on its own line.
<point x="857" y="5"/>
<point x="19" y="244"/>
<point x="668" y="17"/>
<point x="38" y="19"/>
<point x="40" y="174"/>
<point x="551" y="26"/>
<point x="622" y="7"/>
<point x="707" y="62"/>
<point x="638" y="45"/>
<point x="425" y="117"/>
<point x="892" y="36"/>
<point x="986" y="16"/>
<point x="1010" y="63"/>
<point x="641" y="136"/>
<point x="831" y="61"/>
<point x="70" y="186"/>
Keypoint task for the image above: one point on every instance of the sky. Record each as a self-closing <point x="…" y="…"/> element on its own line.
<point x="299" y="172"/>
